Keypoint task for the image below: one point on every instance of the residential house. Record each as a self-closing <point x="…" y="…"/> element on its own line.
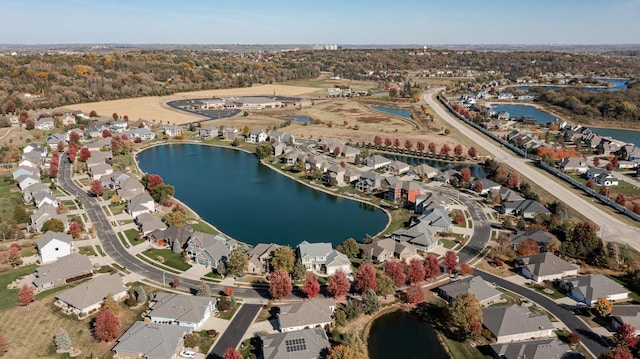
<point x="66" y="269"/>
<point x="376" y="161"/>
<point x="45" y="124"/>
<point x="545" y="267"/>
<point x="316" y="163"/>
<point x="385" y="249"/>
<point x="350" y="152"/>
<point x="29" y="192"/>
<point x="54" y="139"/>
<point x="475" y="285"/>
<point x="431" y="200"/>
<point x="119" y="126"/>
<point x="38" y="152"/>
<point x="172" y="131"/>
<point x="25" y="181"/>
<point x="142" y="124"/>
<point x="45" y="213"/>
<point x="504" y="116"/>
<point x="487" y="186"/>
<point x="351" y="176"/>
<point x="607" y="147"/>
<point x="397" y="167"/>
<point x="25" y="171"/>
<point x="54" y="245"/>
<point x="594" y="172"/>
<point x="625" y="314"/>
<point x="309" y="343"/>
<point x="410" y="191"/>
<point x="588" y="289"/>
<point x="230" y="133"/>
<point x="68" y="119"/>
<point x="141" y="203"/>
<point x="369" y="182"/>
<point x="308" y="314"/>
<point x="510" y="323"/>
<point x="424" y="171"/>
<point x="527" y="208"/>
<point x="100" y="170"/>
<point x="330" y="145"/>
<point x="256" y="136"/>
<point x="606" y="180"/>
<point x="207" y="249"/>
<point x="260" y="258"/>
<point x="88" y="297"/>
<point x="542" y="238"/>
<point x="394" y="189"/>
<point x="129" y="188"/>
<point x="322" y="258"/>
<point x="279" y="148"/>
<point x="574" y="164"/>
<point x="144" y="134"/>
<point x="184" y="310"/>
<point x="506" y="195"/>
<point x="282" y="137"/>
<point x="151" y="341"/>
<point x="334" y="176"/>
<point x="94" y="131"/>
<point x="419" y="234"/>
<point x="534" y="349"/>
<point x="436" y="218"/>
<point x="446" y="176"/>
<point x="28" y="162"/>
<point x="148" y="223"/>
<point x="161" y="237"/>
<point x="79" y="132"/>
<point x="98" y="156"/>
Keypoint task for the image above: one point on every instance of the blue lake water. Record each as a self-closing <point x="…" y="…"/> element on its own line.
<point x="254" y="204"/>
<point x="402" y="335"/>
<point x="524" y="110"/>
<point x="393" y="111"/>
<point x="297" y="119"/>
<point x="616" y="85"/>
<point x="628" y="136"/>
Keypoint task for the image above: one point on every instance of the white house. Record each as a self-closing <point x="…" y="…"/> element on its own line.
<point x="141" y="203"/>
<point x="588" y="289"/>
<point x="509" y="323"/>
<point x="545" y="267"/>
<point x="322" y="258"/>
<point x="183" y="310"/>
<point x="256" y="136"/>
<point x="53" y="245"/>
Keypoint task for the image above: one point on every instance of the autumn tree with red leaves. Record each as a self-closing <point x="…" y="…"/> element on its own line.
<point x="478" y="188"/>
<point x="432" y="147"/>
<point x="74" y="229"/>
<point x="97" y="189"/>
<point x="408" y="144"/>
<point x="415" y="271"/>
<point x="450" y="261"/>
<point x="53" y="170"/>
<point x="338" y="284"/>
<point x="231" y="353"/>
<point x="395" y="270"/>
<point x="366" y="278"/>
<point x="431" y="267"/>
<point x="513" y="180"/>
<point x="465" y="175"/>
<point x="106" y="326"/>
<point x="377" y="140"/>
<point x="465" y="269"/>
<point x="621" y="199"/>
<point x="280" y="284"/>
<point x="311" y="286"/>
<point x="72" y="152"/>
<point x="153" y="180"/>
<point x="625" y="336"/>
<point x="636" y="208"/>
<point x="414" y="294"/>
<point x="420" y="146"/>
<point x="85" y="154"/>
<point x="528" y="247"/>
<point x="26" y="295"/>
<point x="617" y="353"/>
<point x="396" y="143"/>
<point x="458" y="150"/>
<point x="590" y="183"/>
<point x="106" y="133"/>
<point x="387" y="142"/>
<point x="445" y="149"/>
<point x="596" y="161"/>
<point x="472" y="152"/>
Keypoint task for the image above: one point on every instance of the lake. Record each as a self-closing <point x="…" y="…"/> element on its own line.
<point x="251" y="203"/>
<point x="402" y="335"/>
<point x="616" y="85"/>
<point x="299" y="119"/>
<point x="627" y="136"/>
<point x="393" y="111"/>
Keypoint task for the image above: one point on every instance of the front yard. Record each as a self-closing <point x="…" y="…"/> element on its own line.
<point x="173" y="260"/>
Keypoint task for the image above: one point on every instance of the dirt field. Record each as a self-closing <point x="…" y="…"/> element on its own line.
<point x="153" y="107"/>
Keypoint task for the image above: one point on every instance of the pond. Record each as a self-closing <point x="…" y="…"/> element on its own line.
<point x="616" y="85"/>
<point x="253" y="204"/>
<point x="402" y="335"/>
<point x="393" y="111"/>
<point x="299" y="119"/>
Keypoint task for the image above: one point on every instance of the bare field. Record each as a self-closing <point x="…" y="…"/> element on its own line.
<point x="154" y="107"/>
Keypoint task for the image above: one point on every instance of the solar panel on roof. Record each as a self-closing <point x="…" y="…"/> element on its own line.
<point x="295" y="345"/>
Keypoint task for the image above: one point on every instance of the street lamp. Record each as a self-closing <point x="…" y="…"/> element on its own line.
<point x="163" y="285"/>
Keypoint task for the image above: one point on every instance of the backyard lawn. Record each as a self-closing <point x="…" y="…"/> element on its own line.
<point x="9" y="297"/>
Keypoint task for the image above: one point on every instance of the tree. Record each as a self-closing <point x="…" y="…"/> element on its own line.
<point x="366" y="278"/>
<point x="53" y="170"/>
<point x="283" y="259"/>
<point x="458" y="150"/>
<point x="370" y="302"/>
<point x="478" y="187"/>
<point x="97" y="189"/>
<point x="340" y="352"/>
<point x="465" y="269"/>
<point x="20" y="214"/>
<point x="602" y="307"/>
<point x="408" y="144"/>
<point x="395" y="270"/>
<point x="311" y="286"/>
<point x="590" y="183"/>
<point x="625" y="337"/>
<point x="465" y="175"/>
<point x="237" y="262"/>
<point x="299" y="270"/>
<point x="621" y="199"/>
<point x="396" y="143"/>
<point x="106" y="326"/>
<point x="62" y="340"/>
<point x="85" y="154"/>
<point x="15" y="256"/>
<point x="432" y="147"/>
<point x="153" y="180"/>
<point x="573" y="338"/>
<point x="636" y="208"/>
<point x="617" y="353"/>
<point x="162" y="192"/>
<point x="513" y="180"/>
<point x="528" y="247"/>
<point x="420" y="146"/>
<point x="141" y="295"/>
<point x="176" y="247"/>
<point x="221" y="268"/>
<point x="26" y="295"/>
<point x="54" y="225"/>
<point x="349" y="248"/>
<point x="280" y="284"/>
<point x="445" y="149"/>
<point x="74" y="229"/>
<point x="385" y="284"/>
<point x="387" y="141"/>
<point x="338" y="284"/>
<point x="110" y="303"/>
<point x="175" y="283"/>
<point x="203" y="289"/>
<point x="472" y="152"/>
<point x="431" y="267"/>
<point x="450" y="261"/>
<point x="464" y="310"/>
<point x="176" y="218"/>
<point x="377" y="140"/>
<point x="414" y="294"/>
<point x="415" y="271"/>
<point x="231" y="353"/>
<point x="605" y="191"/>
<point x="447" y="131"/>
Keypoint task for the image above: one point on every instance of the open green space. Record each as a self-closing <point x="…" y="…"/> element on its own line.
<point x="9" y="297"/>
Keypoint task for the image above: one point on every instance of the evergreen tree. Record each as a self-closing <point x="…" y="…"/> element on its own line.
<point x="62" y="340"/>
<point x="203" y="290"/>
<point x="176" y="247"/>
<point x="299" y="270"/>
<point x="370" y="302"/>
<point x="141" y="295"/>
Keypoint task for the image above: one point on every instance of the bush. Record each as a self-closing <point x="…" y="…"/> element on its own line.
<point x="191" y="340"/>
<point x="160" y="259"/>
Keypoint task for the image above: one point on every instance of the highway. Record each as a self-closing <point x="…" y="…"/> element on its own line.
<point x="113" y="247"/>
<point x="612" y="229"/>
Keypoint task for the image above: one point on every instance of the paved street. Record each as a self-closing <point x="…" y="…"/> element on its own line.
<point x="612" y="228"/>
<point x="236" y="329"/>
<point x="589" y="339"/>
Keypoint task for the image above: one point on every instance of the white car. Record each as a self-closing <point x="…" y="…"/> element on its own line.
<point x="187" y="354"/>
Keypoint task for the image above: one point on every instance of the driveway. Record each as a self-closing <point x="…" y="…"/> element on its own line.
<point x="232" y="337"/>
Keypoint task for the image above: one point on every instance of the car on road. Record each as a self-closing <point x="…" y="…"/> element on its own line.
<point x="187" y="354"/>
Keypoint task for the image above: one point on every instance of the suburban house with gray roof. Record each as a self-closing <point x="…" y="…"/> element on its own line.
<point x="424" y="171"/>
<point x="25" y="170"/>
<point x="308" y="314"/>
<point x="141" y="203"/>
<point x="574" y="164"/>
<point x="475" y="285"/>
<point x="527" y="208"/>
<point x="99" y="170"/>
<point x="54" y="245"/>
<point x="386" y="249"/>
<point x="625" y="314"/>
<point x="129" y="188"/>
<point x="420" y="234"/>
<point x="436" y="218"/>
<point x="535" y="349"/>
<point x="184" y="310"/>
<point x="148" y="223"/>
<point x="42" y="198"/>
<point x="144" y="134"/>
<point x="369" y="182"/>
<point x="208" y="249"/>
<point x="544" y="239"/>
<point x="256" y="136"/>
<point x="511" y="323"/>
<point x="309" y="343"/>
<point x="545" y="267"/>
<point x="376" y="161"/>
<point x="322" y="258"/>
<point x="588" y="289"/>
<point x="45" y="213"/>
<point x="65" y="270"/>
<point x="260" y="256"/>
<point x="160" y="237"/>
<point x="429" y="201"/>
<point x="151" y="341"/>
<point x="29" y="192"/>
<point x="230" y="133"/>
<point x="87" y="297"/>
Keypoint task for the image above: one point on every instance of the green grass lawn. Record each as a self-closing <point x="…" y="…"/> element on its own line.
<point x="228" y="314"/>
<point x="202" y="227"/>
<point x="398" y="219"/>
<point x="9" y="196"/>
<point x="118" y="208"/>
<point x="87" y="251"/>
<point x="9" y="297"/>
<point x="173" y="260"/>
<point x="133" y="236"/>
<point x="555" y="295"/>
<point x="100" y="251"/>
<point x="463" y="350"/>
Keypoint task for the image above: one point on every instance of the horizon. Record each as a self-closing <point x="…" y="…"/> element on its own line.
<point x="253" y="22"/>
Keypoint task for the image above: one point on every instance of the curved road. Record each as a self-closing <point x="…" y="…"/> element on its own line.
<point x="113" y="247"/>
<point x="589" y="339"/>
<point x="612" y="228"/>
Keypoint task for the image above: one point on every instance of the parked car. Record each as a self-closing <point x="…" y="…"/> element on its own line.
<point x="188" y="354"/>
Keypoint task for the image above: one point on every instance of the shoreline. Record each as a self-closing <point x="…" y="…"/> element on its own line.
<point x="197" y="215"/>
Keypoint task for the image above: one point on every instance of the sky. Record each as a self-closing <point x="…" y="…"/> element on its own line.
<point x="342" y="22"/>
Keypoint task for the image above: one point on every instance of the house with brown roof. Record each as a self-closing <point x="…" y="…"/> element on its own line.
<point x="260" y="257"/>
<point x="386" y="249"/>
